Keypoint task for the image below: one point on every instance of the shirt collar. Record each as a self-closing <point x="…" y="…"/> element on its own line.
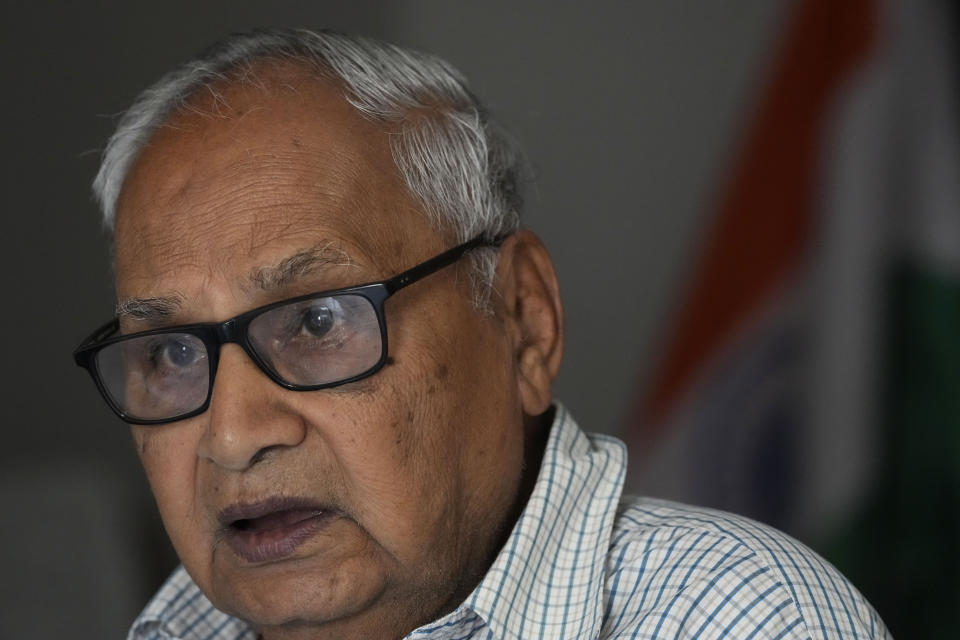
<point x="181" y="611"/>
<point x="548" y="579"/>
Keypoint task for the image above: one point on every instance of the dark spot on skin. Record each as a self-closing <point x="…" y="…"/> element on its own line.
<point x="409" y="416"/>
<point x="443" y="372"/>
<point x="389" y="361"/>
<point x="431" y="389"/>
<point x="295" y="143"/>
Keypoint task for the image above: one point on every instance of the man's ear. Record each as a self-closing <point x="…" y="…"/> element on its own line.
<point x="533" y="315"/>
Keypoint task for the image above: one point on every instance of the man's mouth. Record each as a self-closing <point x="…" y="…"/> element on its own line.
<point x="272" y="529"/>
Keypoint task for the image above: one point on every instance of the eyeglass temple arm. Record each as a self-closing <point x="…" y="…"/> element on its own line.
<point x="436" y="263"/>
<point x="102" y="332"/>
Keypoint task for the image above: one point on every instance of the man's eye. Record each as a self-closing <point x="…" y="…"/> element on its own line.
<point x="175" y="354"/>
<point x="316" y="320"/>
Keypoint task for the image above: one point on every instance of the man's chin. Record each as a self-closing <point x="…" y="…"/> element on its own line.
<point x="299" y="596"/>
<point x="334" y="576"/>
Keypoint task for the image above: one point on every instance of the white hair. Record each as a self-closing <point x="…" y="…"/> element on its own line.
<point x="460" y="166"/>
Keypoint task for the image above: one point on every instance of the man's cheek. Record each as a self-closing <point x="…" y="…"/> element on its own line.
<point x="169" y="465"/>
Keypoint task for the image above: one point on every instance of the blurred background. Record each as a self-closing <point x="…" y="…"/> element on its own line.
<point x="753" y="205"/>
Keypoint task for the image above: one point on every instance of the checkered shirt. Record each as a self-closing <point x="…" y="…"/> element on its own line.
<point x="582" y="563"/>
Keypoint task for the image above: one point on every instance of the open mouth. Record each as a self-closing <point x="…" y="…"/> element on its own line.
<point x="276" y="520"/>
<point x="272" y="529"/>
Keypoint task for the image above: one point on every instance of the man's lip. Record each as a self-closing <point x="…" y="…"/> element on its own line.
<point x="253" y="510"/>
<point x="274" y="528"/>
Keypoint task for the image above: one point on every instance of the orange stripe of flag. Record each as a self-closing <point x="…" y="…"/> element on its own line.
<point x="763" y="227"/>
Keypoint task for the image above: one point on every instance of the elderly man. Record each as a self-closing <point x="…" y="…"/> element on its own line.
<point x="336" y="346"/>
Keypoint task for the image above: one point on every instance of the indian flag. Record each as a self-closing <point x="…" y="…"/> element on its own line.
<point x="810" y="376"/>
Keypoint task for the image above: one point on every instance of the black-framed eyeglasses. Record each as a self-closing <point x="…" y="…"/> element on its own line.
<point x="310" y="342"/>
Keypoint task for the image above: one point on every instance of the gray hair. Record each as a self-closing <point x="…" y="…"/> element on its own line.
<point x="460" y="166"/>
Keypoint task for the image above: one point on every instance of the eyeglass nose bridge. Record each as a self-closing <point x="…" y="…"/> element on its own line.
<point x="231" y="331"/>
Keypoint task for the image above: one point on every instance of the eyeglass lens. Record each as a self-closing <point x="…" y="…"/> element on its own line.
<point x="313" y="342"/>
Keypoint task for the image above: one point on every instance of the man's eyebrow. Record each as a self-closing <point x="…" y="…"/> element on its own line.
<point x="153" y="310"/>
<point x="160" y="309"/>
<point x="298" y="265"/>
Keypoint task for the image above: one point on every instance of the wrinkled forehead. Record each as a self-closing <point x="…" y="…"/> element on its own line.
<point x="277" y="157"/>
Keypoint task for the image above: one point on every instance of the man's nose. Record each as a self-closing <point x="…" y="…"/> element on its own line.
<point x="247" y="419"/>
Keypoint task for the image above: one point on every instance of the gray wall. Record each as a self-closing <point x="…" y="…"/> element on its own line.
<point x="626" y="109"/>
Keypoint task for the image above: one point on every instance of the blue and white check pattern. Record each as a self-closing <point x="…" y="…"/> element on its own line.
<point x="582" y="563"/>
